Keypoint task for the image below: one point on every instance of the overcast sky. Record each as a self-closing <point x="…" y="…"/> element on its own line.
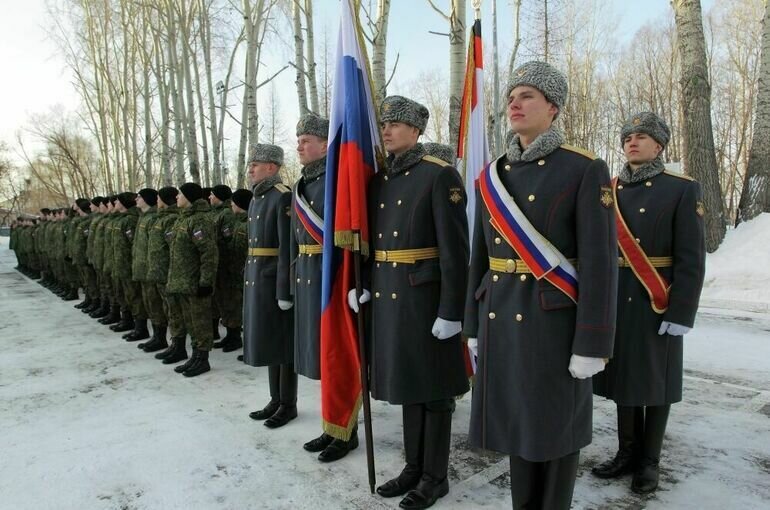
<point x="34" y="77"/>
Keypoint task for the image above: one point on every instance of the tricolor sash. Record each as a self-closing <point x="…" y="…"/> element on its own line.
<point x="542" y="258"/>
<point x="312" y="222"/>
<point x="655" y="285"/>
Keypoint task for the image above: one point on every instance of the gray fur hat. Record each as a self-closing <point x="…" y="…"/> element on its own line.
<point x="542" y="76"/>
<point x="266" y="152"/>
<point x="402" y="109"/>
<point x="648" y="123"/>
<point x="440" y="151"/>
<point x="312" y="124"/>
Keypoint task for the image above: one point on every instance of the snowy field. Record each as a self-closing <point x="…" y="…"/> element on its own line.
<point x="90" y="422"/>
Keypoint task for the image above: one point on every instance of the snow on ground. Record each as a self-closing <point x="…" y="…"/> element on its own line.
<point x="91" y="422"/>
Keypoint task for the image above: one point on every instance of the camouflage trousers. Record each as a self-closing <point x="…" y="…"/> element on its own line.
<point x="132" y="293"/>
<point x="173" y="311"/>
<point x="153" y="304"/>
<point x="229" y="304"/>
<point x="196" y="314"/>
<point x="88" y="279"/>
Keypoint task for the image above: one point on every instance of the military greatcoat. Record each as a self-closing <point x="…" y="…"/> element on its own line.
<point x="665" y="214"/>
<point x="525" y="401"/>
<point x="268" y="330"/>
<point x="418" y="203"/>
<point x="306" y="274"/>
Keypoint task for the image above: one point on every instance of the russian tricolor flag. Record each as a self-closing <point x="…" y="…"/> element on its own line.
<point x="354" y="142"/>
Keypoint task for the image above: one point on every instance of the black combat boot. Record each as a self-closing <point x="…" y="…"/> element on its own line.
<point x="102" y="311"/>
<point x="630" y="433"/>
<point x="338" y="448"/>
<point x="140" y="331"/>
<point x="274" y="382"/>
<point x="232" y="341"/>
<point x="84" y="304"/>
<point x="437" y="438"/>
<point x="170" y="349"/>
<point x="201" y="365"/>
<point x="158" y="340"/>
<point x="94" y="305"/>
<point x="645" y="478"/>
<point x="318" y="444"/>
<point x="125" y="324"/>
<point x="187" y="364"/>
<point x="113" y="317"/>
<point x="287" y="411"/>
<point x="414" y="432"/>
<point x="178" y="351"/>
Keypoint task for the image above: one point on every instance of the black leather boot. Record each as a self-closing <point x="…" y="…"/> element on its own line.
<point x="113" y="317"/>
<point x="170" y="349"/>
<point x="318" y="444"/>
<point x="437" y="438"/>
<point x="287" y="411"/>
<point x="646" y="476"/>
<point x="83" y="304"/>
<point x="232" y="341"/>
<point x="178" y="351"/>
<point x="274" y="382"/>
<point x="157" y="342"/>
<point x="125" y="324"/>
<point x="184" y="366"/>
<point x="140" y="331"/>
<point x="70" y="294"/>
<point x="95" y="304"/>
<point x="200" y="366"/>
<point x="414" y="431"/>
<point x="630" y="433"/>
<point x="102" y="311"/>
<point x="338" y="448"/>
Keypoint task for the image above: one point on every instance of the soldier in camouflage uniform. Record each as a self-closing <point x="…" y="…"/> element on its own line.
<point x="123" y="240"/>
<point x="268" y="315"/>
<point x="107" y="249"/>
<point x="95" y="218"/>
<point x="220" y="199"/>
<point x="40" y="235"/>
<point x="192" y="274"/>
<point x="98" y="241"/>
<point x="77" y="246"/>
<point x="146" y="201"/>
<point x="159" y="241"/>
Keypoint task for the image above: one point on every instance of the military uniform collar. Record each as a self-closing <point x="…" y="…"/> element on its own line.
<point x="314" y="169"/>
<point x="644" y="172"/>
<point x="266" y="184"/>
<point x="171" y="209"/>
<point x="151" y="210"/>
<point x="540" y="147"/>
<point x="200" y="205"/>
<point x="405" y="160"/>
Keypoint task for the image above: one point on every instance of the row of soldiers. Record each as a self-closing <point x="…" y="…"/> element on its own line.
<point x="571" y="284"/>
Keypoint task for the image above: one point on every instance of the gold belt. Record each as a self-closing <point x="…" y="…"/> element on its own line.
<point x="311" y="249"/>
<point x="406" y="256"/>
<point x="263" y="252"/>
<point x="656" y="261"/>
<point x="514" y="265"/>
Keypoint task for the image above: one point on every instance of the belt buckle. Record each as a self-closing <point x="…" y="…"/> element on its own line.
<point x="510" y="266"/>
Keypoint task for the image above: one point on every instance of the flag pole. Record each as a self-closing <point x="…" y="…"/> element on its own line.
<point x="363" y="363"/>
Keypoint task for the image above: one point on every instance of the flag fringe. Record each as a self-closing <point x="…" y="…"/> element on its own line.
<point x="344" y="433"/>
<point x="349" y="240"/>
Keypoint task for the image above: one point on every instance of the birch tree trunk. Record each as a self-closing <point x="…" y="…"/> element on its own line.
<point x="379" y="47"/>
<point x="755" y="198"/>
<point x="457" y="51"/>
<point x="699" y="156"/>
<point x="205" y="36"/>
<point x="299" y="57"/>
<point x="179" y="175"/>
<point x="311" y="64"/>
<point x="191" y="137"/>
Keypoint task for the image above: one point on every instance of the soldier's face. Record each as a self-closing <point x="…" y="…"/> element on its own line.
<point x="529" y="112"/>
<point x="181" y="200"/>
<point x="261" y="170"/>
<point x="640" y="148"/>
<point x="399" y="137"/>
<point x="310" y="148"/>
<point x="213" y="200"/>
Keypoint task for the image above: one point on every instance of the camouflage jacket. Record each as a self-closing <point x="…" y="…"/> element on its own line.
<point x="159" y="239"/>
<point x="93" y="227"/>
<point x="108" y="250"/>
<point x="78" y="240"/>
<point x="123" y="241"/>
<point x="139" y="251"/>
<point x="194" y="252"/>
<point x="233" y="249"/>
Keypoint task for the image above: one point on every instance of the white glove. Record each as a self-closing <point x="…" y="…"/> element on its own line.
<point x="365" y="297"/>
<point x="582" y="368"/>
<point x="285" y="305"/>
<point x="443" y="329"/>
<point x="673" y="329"/>
<point x="473" y="347"/>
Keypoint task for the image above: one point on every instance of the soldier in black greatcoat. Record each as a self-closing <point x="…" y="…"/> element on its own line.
<point x="538" y="342"/>
<point x="663" y="211"/>
<point x="268" y="318"/>
<point x="418" y="277"/>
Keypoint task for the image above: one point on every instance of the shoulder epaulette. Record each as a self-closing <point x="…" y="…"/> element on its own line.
<point x="678" y="174"/>
<point x="434" y="159"/>
<point x="282" y="188"/>
<point x="578" y="150"/>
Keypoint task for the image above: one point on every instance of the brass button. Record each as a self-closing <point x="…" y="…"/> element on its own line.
<point x="507" y="167"/>
<point x="378" y="264"/>
<point x="510" y="266"/>
<point x="495" y="278"/>
<point x="642" y="210"/>
<point x="620" y="186"/>
<point x="491" y="315"/>
<point x="406" y="173"/>
<point x="393" y="296"/>
<point x="648" y="184"/>
<point x="531" y="198"/>
<point x="498" y="240"/>
<point x="257" y="216"/>
<point x="386" y="177"/>
<point x="308" y="282"/>
<point x="376" y="294"/>
<point x="395" y="264"/>
<point x="519" y="317"/>
<point x="379" y="236"/>
<point x="523" y="277"/>
<point x="629" y="300"/>
<point x="382" y="206"/>
<point x="311" y="202"/>
<point x="249" y="219"/>
<point x="395" y="233"/>
<point x="637" y="240"/>
<point x="298" y="280"/>
<point x="541" y="162"/>
<point x="399" y="202"/>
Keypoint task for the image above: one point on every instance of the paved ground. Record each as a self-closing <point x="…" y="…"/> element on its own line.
<point x="90" y="422"/>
